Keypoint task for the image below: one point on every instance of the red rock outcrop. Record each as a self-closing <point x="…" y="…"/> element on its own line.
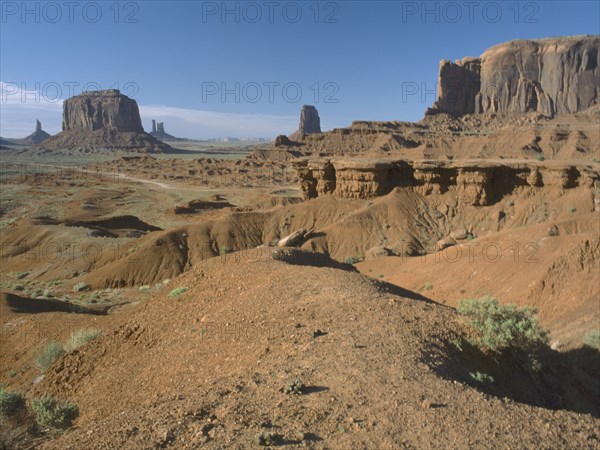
<point x="103" y="120"/>
<point x="477" y="183"/>
<point x="550" y="76"/>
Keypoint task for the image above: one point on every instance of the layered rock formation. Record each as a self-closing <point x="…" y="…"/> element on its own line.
<point x="158" y="131"/>
<point x="310" y="122"/>
<point x="102" y="120"/>
<point x="549" y="76"/>
<point x="478" y="183"/>
<point x="37" y="136"/>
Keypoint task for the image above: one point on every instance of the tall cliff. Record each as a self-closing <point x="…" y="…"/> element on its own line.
<point x="102" y="120"/>
<point x="549" y="76"/>
<point x="94" y="110"/>
<point x="310" y="122"/>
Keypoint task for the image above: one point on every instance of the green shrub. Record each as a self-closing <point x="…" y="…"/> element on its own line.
<point x="503" y="326"/>
<point x="268" y="439"/>
<point x="352" y="260"/>
<point x="53" y="414"/>
<point x="427" y="286"/>
<point x="10" y="402"/>
<point x="81" y="337"/>
<point x="480" y="378"/>
<point x="540" y="157"/>
<point x="592" y="339"/>
<point x="79" y="287"/>
<point x="51" y="352"/>
<point x="177" y="291"/>
<point x="224" y="250"/>
<point x="295" y="387"/>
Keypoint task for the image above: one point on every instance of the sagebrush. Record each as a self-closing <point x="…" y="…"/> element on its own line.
<point x="51" y="413"/>
<point x="10" y="402"/>
<point x="500" y="326"/>
<point x="81" y="337"/>
<point x="50" y="353"/>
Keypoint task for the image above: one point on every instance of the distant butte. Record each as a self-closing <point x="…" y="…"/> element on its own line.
<point x="310" y="122"/>
<point x="103" y="120"/>
<point x="37" y="136"/>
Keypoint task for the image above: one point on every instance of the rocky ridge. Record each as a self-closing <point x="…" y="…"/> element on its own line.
<point x="478" y="183"/>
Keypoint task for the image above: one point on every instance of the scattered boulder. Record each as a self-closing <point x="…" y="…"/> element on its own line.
<point x="293" y="239"/>
<point x="282" y="140"/>
<point x="444" y="243"/>
<point x="459" y="235"/>
<point x="377" y="252"/>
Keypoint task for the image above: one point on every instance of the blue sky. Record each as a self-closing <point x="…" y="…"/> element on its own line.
<point x="350" y="59"/>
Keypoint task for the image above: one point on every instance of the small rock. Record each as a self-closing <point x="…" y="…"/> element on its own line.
<point x="459" y="235"/>
<point x="376" y="252"/>
<point x="443" y="243"/>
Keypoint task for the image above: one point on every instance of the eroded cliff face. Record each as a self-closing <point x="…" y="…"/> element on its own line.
<point x="477" y="183"/>
<point x="95" y="110"/>
<point x="549" y="76"/>
<point x="310" y="122"/>
<point x="102" y="120"/>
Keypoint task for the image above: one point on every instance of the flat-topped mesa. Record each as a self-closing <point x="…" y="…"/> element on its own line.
<point x="549" y="76"/>
<point x="310" y="122"/>
<point x="476" y="182"/>
<point x="102" y="120"/>
<point x="95" y="110"/>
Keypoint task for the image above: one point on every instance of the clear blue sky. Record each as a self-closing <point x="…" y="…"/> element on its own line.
<point x="173" y="51"/>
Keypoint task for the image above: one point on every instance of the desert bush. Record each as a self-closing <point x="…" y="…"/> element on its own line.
<point x="268" y="439"/>
<point x="540" y="157"/>
<point x="352" y="260"/>
<point x="427" y="287"/>
<point x="224" y="250"/>
<point x="79" y="287"/>
<point x="51" y="413"/>
<point x="81" y="337"/>
<point x="295" y="387"/>
<point x="592" y="339"/>
<point x="50" y="353"/>
<point x="481" y="378"/>
<point x="177" y="291"/>
<point x="10" y="402"/>
<point x="503" y="326"/>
